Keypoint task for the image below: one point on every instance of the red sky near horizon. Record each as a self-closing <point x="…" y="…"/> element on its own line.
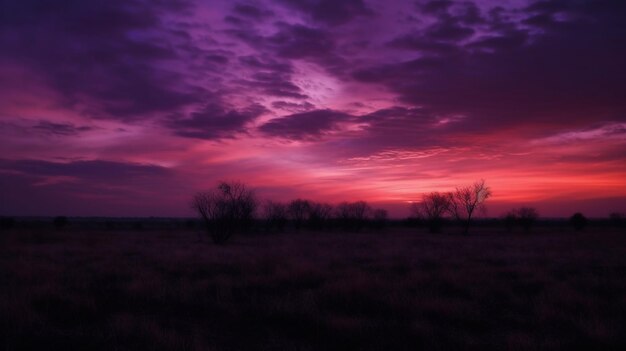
<point x="129" y="107"/>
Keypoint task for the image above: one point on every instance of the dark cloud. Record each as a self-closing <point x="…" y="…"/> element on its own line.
<point x="91" y="171"/>
<point x="330" y="12"/>
<point x="60" y="128"/>
<point x="270" y="77"/>
<point x="276" y="85"/>
<point x="251" y="11"/>
<point x="305" y="125"/>
<point x="84" y="188"/>
<point x="449" y="30"/>
<point x="91" y="53"/>
<point x="293" y="106"/>
<point x="298" y="41"/>
<point x="434" y="6"/>
<point x="505" y="76"/>
<point x="214" y="122"/>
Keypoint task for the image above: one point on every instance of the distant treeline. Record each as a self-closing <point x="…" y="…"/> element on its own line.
<point x="260" y="226"/>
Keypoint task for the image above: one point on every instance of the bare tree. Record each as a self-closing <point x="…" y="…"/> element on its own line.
<point x="275" y="215"/>
<point x="464" y="202"/>
<point x="319" y="215"/>
<point x="353" y="215"/>
<point x="433" y="208"/>
<point x="578" y="220"/>
<point x="225" y="210"/>
<point x="298" y="211"/>
<point x="527" y="217"/>
<point x="379" y="218"/>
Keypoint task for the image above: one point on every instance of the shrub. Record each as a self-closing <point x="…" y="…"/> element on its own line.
<point x="353" y="215"/>
<point x="298" y="211"/>
<point x="275" y="216"/>
<point x="527" y="216"/>
<point x="578" y="221"/>
<point x="7" y="223"/>
<point x="319" y="215"/>
<point x="60" y="222"/>
<point x="379" y="218"/>
<point x="432" y="209"/>
<point x="226" y="210"/>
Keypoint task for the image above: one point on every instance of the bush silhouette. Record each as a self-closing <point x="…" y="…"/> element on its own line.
<point x="379" y="218"/>
<point x="527" y="216"/>
<point x="510" y="219"/>
<point x="275" y="216"/>
<point x="353" y="215"/>
<point x="465" y="200"/>
<point x="7" y="223"/>
<point x="60" y="222"/>
<point x="578" y="221"/>
<point x="433" y="207"/>
<point x="298" y="211"/>
<point x="226" y="210"/>
<point x="616" y="219"/>
<point x="319" y="215"/>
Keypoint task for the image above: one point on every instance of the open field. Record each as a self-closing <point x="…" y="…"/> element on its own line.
<point x="399" y="289"/>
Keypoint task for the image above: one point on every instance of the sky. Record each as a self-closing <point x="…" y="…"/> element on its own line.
<point x="129" y="107"/>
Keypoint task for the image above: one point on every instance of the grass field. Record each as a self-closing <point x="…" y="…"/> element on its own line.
<point x="399" y="289"/>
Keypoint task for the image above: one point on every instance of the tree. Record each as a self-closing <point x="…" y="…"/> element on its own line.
<point x="510" y="219"/>
<point x="527" y="217"/>
<point x="298" y="211"/>
<point x="60" y="222"/>
<point x="433" y="208"/>
<point x="226" y="210"/>
<point x="379" y="218"/>
<point x="464" y="201"/>
<point x="578" y="221"/>
<point x="275" y="215"/>
<point x="616" y="219"/>
<point x="353" y="215"/>
<point x="319" y="215"/>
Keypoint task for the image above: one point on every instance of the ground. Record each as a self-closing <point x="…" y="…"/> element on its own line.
<point x="396" y="289"/>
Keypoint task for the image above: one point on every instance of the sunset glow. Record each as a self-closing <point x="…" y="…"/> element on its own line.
<point x="127" y="108"/>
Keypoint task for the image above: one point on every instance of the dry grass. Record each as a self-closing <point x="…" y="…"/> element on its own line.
<point x="396" y="290"/>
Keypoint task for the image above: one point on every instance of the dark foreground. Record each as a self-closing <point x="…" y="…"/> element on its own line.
<point x="400" y="289"/>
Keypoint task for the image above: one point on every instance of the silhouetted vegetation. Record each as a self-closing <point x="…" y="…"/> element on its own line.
<point x="526" y="217"/>
<point x="380" y="218"/>
<point x="319" y="215"/>
<point x="460" y="204"/>
<point x="298" y="211"/>
<point x="465" y="200"/>
<point x="617" y="219"/>
<point x="353" y="216"/>
<point x="226" y="210"/>
<point x="578" y="221"/>
<point x="433" y="207"/>
<point x="7" y="223"/>
<point x="510" y="220"/>
<point x="275" y="216"/>
<point x="60" y="222"/>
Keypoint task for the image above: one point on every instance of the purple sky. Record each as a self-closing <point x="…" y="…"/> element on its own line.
<point x="128" y="107"/>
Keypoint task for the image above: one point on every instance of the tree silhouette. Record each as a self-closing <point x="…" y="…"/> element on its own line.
<point x="578" y="221"/>
<point x="353" y="215"/>
<point x="298" y="211"/>
<point x="275" y="215"/>
<point x="527" y="217"/>
<point x="464" y="202"/>
<point x="433" y="208"/>
<point x="379" y="218"/>
<point x="225" y="210"/>
<point x="319" y="215"/>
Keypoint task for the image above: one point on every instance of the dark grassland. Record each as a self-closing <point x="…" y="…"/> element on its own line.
<point x="399" y="289"/>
